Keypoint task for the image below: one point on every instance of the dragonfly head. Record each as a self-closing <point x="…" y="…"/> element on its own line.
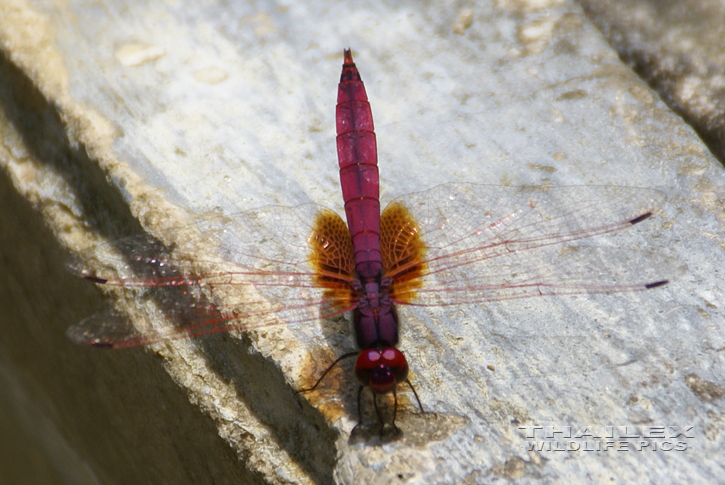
<point x="381" y="369"/>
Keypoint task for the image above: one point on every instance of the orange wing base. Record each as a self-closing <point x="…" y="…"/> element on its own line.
<point x="333" y="260"/>
<point x="403" y="251"/>
<point x="332" y="256"/>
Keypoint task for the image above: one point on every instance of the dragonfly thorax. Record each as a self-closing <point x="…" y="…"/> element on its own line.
<point x="373" y="293"/>
<point x="375" y="319"/>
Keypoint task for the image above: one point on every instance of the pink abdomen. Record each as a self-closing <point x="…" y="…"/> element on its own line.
<point x="358" y="158"/>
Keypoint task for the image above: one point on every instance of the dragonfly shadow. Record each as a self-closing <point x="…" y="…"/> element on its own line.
<point x="412" y="428"/>
<point x="327" y="377"/>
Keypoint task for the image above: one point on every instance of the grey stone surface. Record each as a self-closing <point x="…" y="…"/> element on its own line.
<point x="170" y="114"/>
<point x="677" y="48"/>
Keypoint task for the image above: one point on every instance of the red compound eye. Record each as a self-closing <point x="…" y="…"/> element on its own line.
<point x="381" y="369"/>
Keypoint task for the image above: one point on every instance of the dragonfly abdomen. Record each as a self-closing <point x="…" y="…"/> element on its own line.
<point x="358" y="158"/>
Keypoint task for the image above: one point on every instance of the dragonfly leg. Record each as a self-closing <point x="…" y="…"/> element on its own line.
<point x="377" y="408"/>
<point x="380" y="415"/>
<point x="327" y="371"/>
<point x="359" y="412"/>
<point x="395" y="432"/>
<point x="387" y="431"/>
<point x="410" y="384"/>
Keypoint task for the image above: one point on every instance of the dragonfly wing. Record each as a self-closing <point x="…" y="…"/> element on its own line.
<point x="567" y="270"/>
<point x="193" y="317"/>
<point x="487" y="243"/>
<point x="256" y="263"/>
<point x="269" y="238"/>
<point x="271" y="250"/>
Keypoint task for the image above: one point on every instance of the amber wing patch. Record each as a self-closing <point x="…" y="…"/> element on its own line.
<point x="403" y="251"/>
<point x="333" y="261"/>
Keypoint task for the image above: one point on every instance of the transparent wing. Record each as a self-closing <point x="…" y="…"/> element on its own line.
<point x="488" y="243"/>
<point x="482" y="243"/>
<point x="256" y="262"/>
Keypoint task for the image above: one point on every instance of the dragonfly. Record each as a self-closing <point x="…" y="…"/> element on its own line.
<point x="454" y="244"/>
